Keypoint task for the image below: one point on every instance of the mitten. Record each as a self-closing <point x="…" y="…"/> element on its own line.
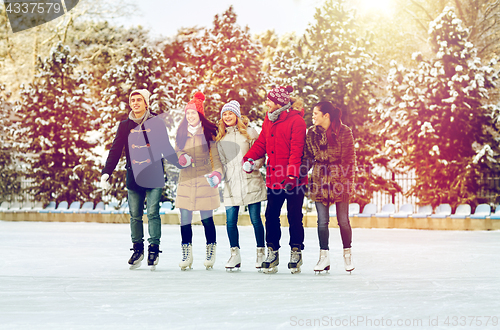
<point x="185" y="160"/>
<point x="214" y="179"/>
<point x="105" y="185"/>
<point x="290" y="183"/>
<point x="248" y="165"/>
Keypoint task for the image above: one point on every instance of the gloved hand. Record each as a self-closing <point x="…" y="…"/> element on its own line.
<point x="214" y="179"/>
<point x="290" y="183"/>
<point x="185" y="160"/>
<point x="105" y="185"/>
<point x="248" y="165"/>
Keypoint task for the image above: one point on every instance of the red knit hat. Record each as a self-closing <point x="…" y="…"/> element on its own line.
<point x="196" y="103"/>
<point x="280" y="95"/>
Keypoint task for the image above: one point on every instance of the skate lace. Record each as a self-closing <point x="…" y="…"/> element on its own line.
<point x="271" y="255"/>
<point x="185" y="252"/>
<point x="210" y="251"/>
<point x="295" y="256"/>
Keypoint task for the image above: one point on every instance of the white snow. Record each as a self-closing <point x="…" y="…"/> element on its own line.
<point x="75" y="276"/>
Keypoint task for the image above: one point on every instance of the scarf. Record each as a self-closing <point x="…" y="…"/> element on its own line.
<point x="194" y="129"/>
<point x="273" y="116"/>
<point x="140" y="121"/>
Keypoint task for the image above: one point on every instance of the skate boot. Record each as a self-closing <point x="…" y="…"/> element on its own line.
<point x="234" y="263"/>
<point x="260" y="258"/>
<point x="270" y="265"/>
<point x="348" y="263"/>
<point x="323" y="262"/>
<point x="295" y="260"/>
<point x="210" y="259"/>
<point x="137" y="256"/>
<point x="187" y="256"/>
<point x="153" y="256"/>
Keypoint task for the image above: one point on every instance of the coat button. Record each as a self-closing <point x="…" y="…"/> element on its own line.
<point x="273" y="169"/>
<point x="272" y="135"/>
<point x="272" y="152"/>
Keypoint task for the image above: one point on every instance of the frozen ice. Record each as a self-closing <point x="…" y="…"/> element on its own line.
<point x="76" y="276"/>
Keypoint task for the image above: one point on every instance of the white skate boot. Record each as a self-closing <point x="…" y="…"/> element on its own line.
<point x="260" y="258"/>
<point x="234" y="261"/>
<point x="323" y="262"/>
<point x="295" y="260"/>
<point x="348" y="263"/>
<point x="210" y="259"/>
<point x="270" y="265"/>
<point x="187" y="256"/>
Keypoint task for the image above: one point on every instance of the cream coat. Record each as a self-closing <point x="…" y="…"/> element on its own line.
<point x="240" y="188"/>
<point x="193" y="191"/>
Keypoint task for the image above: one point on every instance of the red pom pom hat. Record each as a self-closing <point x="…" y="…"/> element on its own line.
<point x="280" y="95"/>
<point x="196" y="103"/>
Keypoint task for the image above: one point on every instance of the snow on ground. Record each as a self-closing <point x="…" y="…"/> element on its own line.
<point x="75" y="276"/>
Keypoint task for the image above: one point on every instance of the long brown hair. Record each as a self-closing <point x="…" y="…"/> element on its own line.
<point x="209" y="130"/>
<point x="241" y="123"/>
<point x="334" y="112"/>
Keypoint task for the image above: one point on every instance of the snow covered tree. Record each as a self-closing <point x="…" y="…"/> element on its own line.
<point x="332" y="63"/>
<point x="9" y="174"/>
<point x="223" y="62"/>
<point x="54" y="130"/>
<point x="144" y="68"/>
<point x="438" y="119"/>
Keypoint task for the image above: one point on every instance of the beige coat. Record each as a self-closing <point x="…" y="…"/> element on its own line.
<point x="193" y="191"/>
<point x="240" y="188"/>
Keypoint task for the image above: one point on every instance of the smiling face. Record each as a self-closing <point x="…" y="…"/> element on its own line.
<point x="138" y="105"/>
<point x="320" y="119"/>
<point x="229" y="118"/>
<point x="192" y="117"/>
<point x="272" y="106"/>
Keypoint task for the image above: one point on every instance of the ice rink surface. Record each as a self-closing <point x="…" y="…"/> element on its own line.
<point x="76" y="276"/>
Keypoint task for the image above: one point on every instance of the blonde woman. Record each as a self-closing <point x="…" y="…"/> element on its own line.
<point x="234" y="139"/>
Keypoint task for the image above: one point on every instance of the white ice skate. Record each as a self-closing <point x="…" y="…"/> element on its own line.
<point x="295" y="260"/>
<point x="270" y="265"/>
<point x="210" y="259"/>
<point x="234" y="262"/>
<point x="260" y="258"/>
<point x="323" y="262"/>
<point x="348" y="262"/>
<point x="187" y="257"/>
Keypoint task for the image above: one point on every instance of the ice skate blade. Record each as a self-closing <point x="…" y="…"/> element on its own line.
<point x="322" y="272"/>
<point x="135" y="266"/>
<point x="209" y="267"/>
<point x="186" y="268"/>
<point x="271" y="270"/>
<point x="152" y="268"/>
<point x="295" y="270"/>
<point x="232" y="269"/>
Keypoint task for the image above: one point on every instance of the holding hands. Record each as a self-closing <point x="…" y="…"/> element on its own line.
<point x="214" y="179"/>
<point x="248" y="165"/>
<point x="185" y="160"/>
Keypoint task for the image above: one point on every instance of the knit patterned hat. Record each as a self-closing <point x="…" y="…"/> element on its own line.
<point x="196" y="103"/>
<point x="233" y="106"/>
<point x="144" y="93"/>
<point x="280" y="95"/>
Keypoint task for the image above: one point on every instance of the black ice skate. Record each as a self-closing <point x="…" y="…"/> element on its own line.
<point x="137" y="256"/>
<point x="270" y="265"/>
<point x="153" y="255"/>
<point x="295" y="260"/>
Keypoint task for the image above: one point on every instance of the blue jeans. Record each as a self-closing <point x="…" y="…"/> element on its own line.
<point x="136" y="208"/>
<point x="187" y="231"/>
<point x="232" y="224"/>
<point x="342" y="219"/>
<point x="294" y="199"/>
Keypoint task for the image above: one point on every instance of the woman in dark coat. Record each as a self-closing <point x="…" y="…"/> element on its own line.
<point x="329" y="150"/>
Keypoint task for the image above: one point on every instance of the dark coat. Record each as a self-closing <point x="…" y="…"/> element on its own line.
<point x="334" y="165"/>
<point x="283" y="142"/>
<point x="121" y="142"/>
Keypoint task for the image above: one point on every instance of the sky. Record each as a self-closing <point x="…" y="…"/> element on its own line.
<point x="166" y="17"/>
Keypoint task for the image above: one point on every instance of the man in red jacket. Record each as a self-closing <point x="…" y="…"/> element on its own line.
<point x="282" y="139"/>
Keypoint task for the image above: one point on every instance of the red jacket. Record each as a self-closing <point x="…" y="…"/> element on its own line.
<point x="283" y="141"/>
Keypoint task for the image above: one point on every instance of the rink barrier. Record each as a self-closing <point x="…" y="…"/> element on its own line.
<point x="309" y="220"/>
